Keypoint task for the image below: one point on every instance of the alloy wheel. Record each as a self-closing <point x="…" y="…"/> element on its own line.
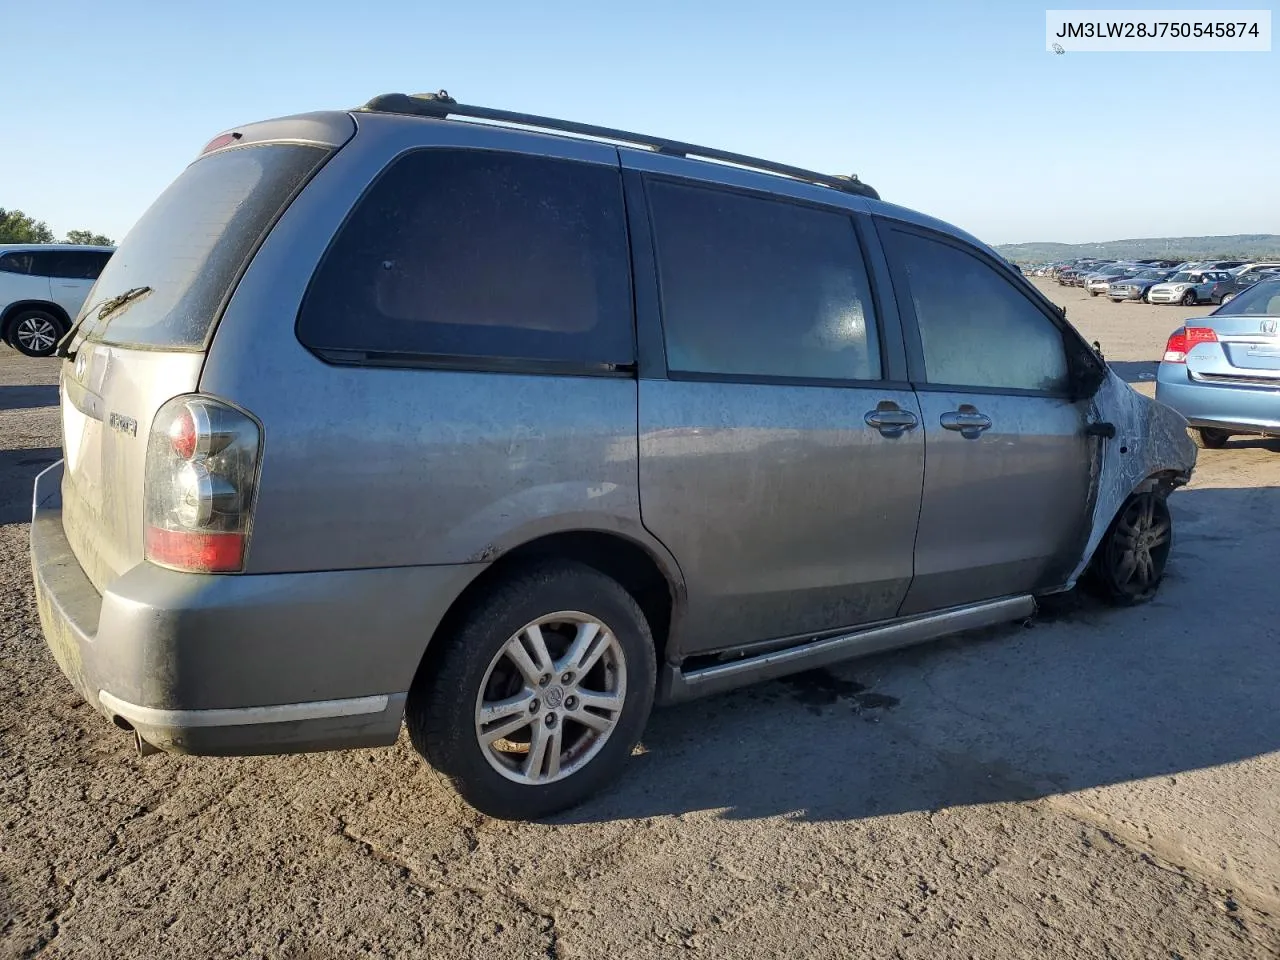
<point x="36" y="334"/>
<point x="550" y="698"/>
<point x="1139" y="546"/>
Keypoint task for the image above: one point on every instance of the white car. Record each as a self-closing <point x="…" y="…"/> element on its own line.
<point x="1188" y="288"/>
<point x="42" y="288"/>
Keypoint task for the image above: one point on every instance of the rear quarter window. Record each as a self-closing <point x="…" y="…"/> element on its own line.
<point x="192" y="244"/>
<point x="474" y="258"/>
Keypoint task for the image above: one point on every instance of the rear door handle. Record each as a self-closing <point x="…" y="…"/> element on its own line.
<point x="890" y="419"/>
<point x="967" y="421"/>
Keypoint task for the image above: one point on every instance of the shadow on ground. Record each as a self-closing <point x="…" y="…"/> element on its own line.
<point x="1086" y="696"/>
<point x="18" y="469"/>
<point x="27" y="396"/>
<point x="1135" y="371"/>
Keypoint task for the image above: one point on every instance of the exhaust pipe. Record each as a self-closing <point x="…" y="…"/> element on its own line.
<point x="144" y="749"/>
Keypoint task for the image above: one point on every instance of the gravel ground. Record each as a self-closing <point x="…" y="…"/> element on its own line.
<point x="1101" y="784"/>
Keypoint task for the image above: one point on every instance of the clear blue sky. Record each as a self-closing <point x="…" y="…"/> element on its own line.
<point x="952" y="108"/>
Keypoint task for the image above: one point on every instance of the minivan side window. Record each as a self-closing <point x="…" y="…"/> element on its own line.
<point x="976" y="328"/>
<point x="758" y="287"/>
<point x="472" y="256"/>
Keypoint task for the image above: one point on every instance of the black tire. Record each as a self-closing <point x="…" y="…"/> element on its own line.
<point x="29" y="332"/>
<point x="441" y="712"/>
<point x="1118" y="574"/>
<point x="1093" y="293"/>
<point x="1226" y="298"/>
<point x="1189" y="299"/>
<point x="1207" y="438"/>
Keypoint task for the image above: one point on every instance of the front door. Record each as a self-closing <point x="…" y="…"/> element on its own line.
<point x="1006" y="501"/>
<point x="778" y="463"/>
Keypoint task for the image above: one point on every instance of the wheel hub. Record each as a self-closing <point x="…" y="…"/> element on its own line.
<point x="550" y="698"/>
<point x="36" y="333"/>
<point x="1141" y="544"/>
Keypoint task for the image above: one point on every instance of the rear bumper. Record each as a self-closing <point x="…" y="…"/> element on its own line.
<point x="1223" y="406"/>
<point x="210" y="664"/>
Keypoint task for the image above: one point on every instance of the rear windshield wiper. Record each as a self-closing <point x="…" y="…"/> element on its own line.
<point x="103" y="310"/>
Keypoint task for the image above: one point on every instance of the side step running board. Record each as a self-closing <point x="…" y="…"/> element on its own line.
<point x="679" y="685"/>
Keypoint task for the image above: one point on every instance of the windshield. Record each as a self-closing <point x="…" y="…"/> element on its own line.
<point x="192" y="243"/>
<point x="1182" y="278"/>
<point x="1260" y="300"/>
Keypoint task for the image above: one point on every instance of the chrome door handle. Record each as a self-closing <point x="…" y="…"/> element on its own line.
<point x="967" y="421"/>
<point x="890" y="419"/>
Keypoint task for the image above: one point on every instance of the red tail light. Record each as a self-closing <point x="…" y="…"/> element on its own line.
<point x="201" y="474"/>
<point x="1184" y="339"/>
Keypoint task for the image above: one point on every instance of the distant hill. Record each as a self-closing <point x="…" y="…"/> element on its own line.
<point x="1241" y="246"/>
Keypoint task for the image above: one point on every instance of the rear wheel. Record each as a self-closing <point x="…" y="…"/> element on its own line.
<point x="539" y="694"/>
<point x="1189" y="299"/>
<point x="1227" y="298"/>
<point x="1130" y="562"/>
<point x="35" y="332"/>
<point x="1207" y="438"/>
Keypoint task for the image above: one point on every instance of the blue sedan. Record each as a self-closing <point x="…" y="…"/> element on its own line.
<point x="1222" y="372"/>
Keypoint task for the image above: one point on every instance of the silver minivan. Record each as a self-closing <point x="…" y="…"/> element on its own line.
<point x="505" y="427"/>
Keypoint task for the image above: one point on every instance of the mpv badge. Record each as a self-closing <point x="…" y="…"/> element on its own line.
<point x="1269" y="326"/>
<point x="123" y="424"/>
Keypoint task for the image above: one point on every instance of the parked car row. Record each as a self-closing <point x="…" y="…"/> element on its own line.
<point x="42" y="288"/>
<point x="1161" y="281"/>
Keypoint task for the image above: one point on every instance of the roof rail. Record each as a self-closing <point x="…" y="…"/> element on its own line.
<point x="441" y="106"/>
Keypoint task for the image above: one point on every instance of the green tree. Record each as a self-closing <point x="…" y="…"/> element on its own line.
<point x="17" y="227"/>
<point x="89" y="237"/>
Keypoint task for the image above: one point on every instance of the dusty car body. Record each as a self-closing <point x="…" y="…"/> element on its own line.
<point x="367" y="467"/>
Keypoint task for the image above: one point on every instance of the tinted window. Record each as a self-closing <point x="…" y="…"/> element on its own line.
<point x="78" y="264"/>
<point x="1260" y="300"/>
<point x="761" y="287"/>
<point x="192" y="243"/>
<point x="44" y="263"/>
<point x="468" y="253"/>
<point x="15" y="263"/>
<point x="97" y="263"/>
<point x="977" y="329"/>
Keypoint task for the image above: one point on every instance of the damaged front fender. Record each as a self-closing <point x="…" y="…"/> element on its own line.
<point x="1150" y="446"/>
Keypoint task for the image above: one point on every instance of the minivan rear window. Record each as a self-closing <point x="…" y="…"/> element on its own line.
<point x="193" y="242"/>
